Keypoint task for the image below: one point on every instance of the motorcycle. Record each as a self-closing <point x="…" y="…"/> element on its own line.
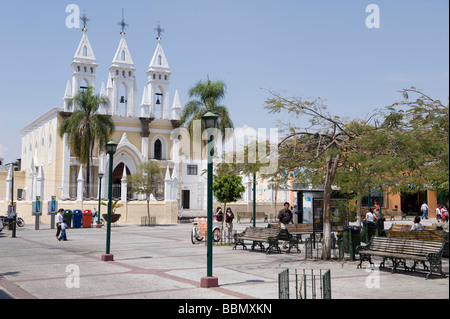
<point x="8" y="222"/>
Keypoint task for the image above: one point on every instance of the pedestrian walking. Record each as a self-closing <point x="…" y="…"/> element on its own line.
<point x="438" y="214"/>
<point x="424" y="210"/>
<point x="63" y="235"/>
<point x="59" y="221"/>
<point x="370" y="216"/>
<point x="444" y="213"/>
<point x="284" y="218"/>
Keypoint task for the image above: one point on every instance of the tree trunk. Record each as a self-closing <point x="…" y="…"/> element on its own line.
<point x="223" y="219"/>
<point x="88" y="179"/>
<point x="275" y="204"/>
<point x="358" y="208"/>
<point x="331" y="167"/>
<point x="148" y="209"/>
<point x="88" y="174"/>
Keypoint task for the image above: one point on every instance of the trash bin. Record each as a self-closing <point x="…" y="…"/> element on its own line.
<point x="369" y="230"/>
<point x="68" y="217"/>
<point x="77" y="218"/>
<point x="380" y="227"/>
<point x="87" y="218"/>
<point x="352" y="239"/>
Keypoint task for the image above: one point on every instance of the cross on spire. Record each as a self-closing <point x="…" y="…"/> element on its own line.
<point x="123" y="24"/>
<point x="84" y="19"/>
<point x="159" y="31"/>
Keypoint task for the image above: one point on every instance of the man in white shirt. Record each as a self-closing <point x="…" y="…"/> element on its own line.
<point x="59" y="220"/>
<point x="424" y="210"/>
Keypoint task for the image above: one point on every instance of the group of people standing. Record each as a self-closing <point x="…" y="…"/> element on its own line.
<point x="227" y="218"/>
<point x="441" y="212"/>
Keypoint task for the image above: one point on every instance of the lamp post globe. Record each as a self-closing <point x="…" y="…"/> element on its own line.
<point x="111" y="148"/>
<point x="210" y="120"/>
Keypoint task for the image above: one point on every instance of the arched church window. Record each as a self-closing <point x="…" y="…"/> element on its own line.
<point x="84" y="51"/>
<point x="154" y="76"/>
<point x="160" y="76"/>
<point x="92" y="70"/>
<point x="159" y="60"/>
<point x="158" y="150"/>
<point x="85" y="69"/>
<point x="78" y="68"/>
<point x="123" y="73"/>
<point x="165" y="77"/>
<point x="123" y="55"/>
<point x="129" y="74"/>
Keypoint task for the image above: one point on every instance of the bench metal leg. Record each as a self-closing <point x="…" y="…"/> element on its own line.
<point x="435" y="261"/>
<point x="364" y="257"/>
<point x="239" y="242"/>
<point x="273" y="245"/>
<point x="293" y="243"/>
<point x="399" y="262"/>
<point x="258" y="243"/>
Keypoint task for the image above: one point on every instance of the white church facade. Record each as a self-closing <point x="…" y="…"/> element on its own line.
<point x="147" y="127"/>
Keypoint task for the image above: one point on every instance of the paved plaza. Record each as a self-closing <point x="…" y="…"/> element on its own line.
<point x="161" y="263"/>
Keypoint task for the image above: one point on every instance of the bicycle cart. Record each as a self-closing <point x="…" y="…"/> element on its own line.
<point x="199" y="229"/>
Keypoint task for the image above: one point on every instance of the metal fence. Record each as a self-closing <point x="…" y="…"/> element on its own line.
<point x="226" y="238"/>
<point x="148" y="222"/>
<point x="307" y="284"/>
<point x="313" y="248"/>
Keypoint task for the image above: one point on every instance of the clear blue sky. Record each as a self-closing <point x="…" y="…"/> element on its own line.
<point x="305" y="48"/>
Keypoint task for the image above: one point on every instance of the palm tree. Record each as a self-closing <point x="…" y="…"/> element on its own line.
<point x="209" y="96"/>
<point x="86" y="128"/>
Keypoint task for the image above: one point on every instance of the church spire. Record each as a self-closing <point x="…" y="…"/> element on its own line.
<point x="159" y="61"/>
<point x="84" y="63"/>
<point x="121" y="73"/>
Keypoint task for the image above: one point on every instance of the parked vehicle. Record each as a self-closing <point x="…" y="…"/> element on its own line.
<point x="7" y="222"/>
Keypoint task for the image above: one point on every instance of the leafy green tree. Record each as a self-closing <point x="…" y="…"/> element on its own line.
<point x="227" y="184"/>
<point x="320" y="149"/>
<point x="145" y="181"/>
<point x="209" y="95"/>
<point x="421" y="129"/>
<point x="367" y="163"/>
<point x="86" y="128"/>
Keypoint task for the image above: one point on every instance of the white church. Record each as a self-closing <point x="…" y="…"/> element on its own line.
<point x="149" y="130"/>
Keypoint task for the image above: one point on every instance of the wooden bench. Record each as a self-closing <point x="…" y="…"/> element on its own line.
<point x="398" y="250"/>
<point x="407" y="227"/>
<point x="259" y="215"/>
<point x="261" y="235"/>
<point x="305" y="229"/>
<point x="393" y="213"/>
<point x="434" y="235"/>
